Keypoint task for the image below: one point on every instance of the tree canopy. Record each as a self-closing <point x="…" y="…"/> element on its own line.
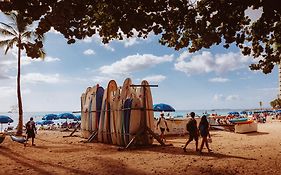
<point x="190" y="24"/>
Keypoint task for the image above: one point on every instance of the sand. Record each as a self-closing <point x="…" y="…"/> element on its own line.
<point x="253" y="153"/>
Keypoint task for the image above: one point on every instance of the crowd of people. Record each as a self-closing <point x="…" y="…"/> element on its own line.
<point x="62" y="125"/>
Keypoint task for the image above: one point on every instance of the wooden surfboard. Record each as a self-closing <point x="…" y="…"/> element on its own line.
<point x="83" y="97"/>
<point x="96" y="107"/>
<point x="135" y="118"/>
<point x="110" y="121"/>
<point x="125" y="93"/>
<point x="86" y="110"/>
<point x="102" y="116"/>
<point x="92" y="108"/>
<point x="148" y="104"/>
<point x="117" y="113"/>
<point x="111" y="87"/>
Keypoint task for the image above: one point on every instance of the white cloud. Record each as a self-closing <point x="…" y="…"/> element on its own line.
<point x="134" y="63"/>
<point x="88" y="39"/>
<point x="89" y="52"/>
<point x="206" y="62"/>
<point x="222" y="98"/>
<point x="53" y="31"/>
<point x="27" y="60"/>
<point x="129" y="41"/>
<point x="40" y="78"/>
<point x="218" y="97"/>
<point x="219" y="80"/>
<point x="155" y="78"/>
<point x="50" y="59"/>
<point x="232" y="98"/>
<point x="108" y="47"/>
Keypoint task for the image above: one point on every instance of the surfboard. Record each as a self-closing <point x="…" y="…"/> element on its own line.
<point x="126" y="121"/>
<point x="125" y="93"/>
<point x="86" y="111"/>
<point x="110" y="121"/>
<point x="102" y="116"/>
<point x="96" y="107"/>
<point x="82" y="98"/>
<point x="135" y="117"/>
<point x="92" y="108"/>
<point x="117" y="114"/>
<point x="148" y="104"/>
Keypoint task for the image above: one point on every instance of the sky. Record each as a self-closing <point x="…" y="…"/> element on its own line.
<point x="215" y="78"/>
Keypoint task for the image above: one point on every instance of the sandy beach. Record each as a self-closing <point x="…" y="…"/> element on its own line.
<point x="252" y="153"/>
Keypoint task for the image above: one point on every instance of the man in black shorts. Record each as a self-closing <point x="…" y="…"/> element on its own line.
<point x="192" y="129"/>
<point x="30" y="130"/>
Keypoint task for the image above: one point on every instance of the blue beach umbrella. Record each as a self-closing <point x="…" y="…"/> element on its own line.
<point x="67" y="116"/>
<point x="44" y="122"/>
<point x="163" y="107"/>
<point x="77" y="118"/>
<point x="243" y="112"/>
<point x="50" y="117"/>
<point x="5" y="119"/>
<point x="234" y="113"/>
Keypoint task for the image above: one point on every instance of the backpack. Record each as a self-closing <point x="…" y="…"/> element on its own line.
<point x="191" y="125"/>
<point x="28" y="126"/>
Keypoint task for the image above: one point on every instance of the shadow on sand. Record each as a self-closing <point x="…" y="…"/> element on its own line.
<point x="179" y="151"/>
<point x="97" y="165"/>
<point x="256" y="133"/>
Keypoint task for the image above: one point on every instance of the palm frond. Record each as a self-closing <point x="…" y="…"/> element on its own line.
<point x="6" y="32"/>
<point x="42" y="54"/>
<point x="11" y="44"/>
<point x="9" y="27"/>
<point x="4" y="42"/>
<point x="27" y="34"/>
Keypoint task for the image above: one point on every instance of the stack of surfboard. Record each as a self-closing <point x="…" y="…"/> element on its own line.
<point x="116" y="113"/>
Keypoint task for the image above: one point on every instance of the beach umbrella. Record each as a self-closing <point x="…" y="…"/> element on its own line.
<point x="67" y="116"/>
<point x="234" y="113"/>
<point x="5" y="119"/>
<point x="50" y="117"/>
<point x="77" y="118"/>
<point x="243" y="112"/>
<point x="44" y="122"/>
<point x="163" y="107"/>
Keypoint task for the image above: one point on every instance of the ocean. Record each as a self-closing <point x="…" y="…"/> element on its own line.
<point x="38" y="115"/>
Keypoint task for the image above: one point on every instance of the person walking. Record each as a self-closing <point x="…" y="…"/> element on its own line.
<point x="162" y="123"/>
<point x="204" y="132"/>
<point x="192" y="129"/>
<point x="30" y="130"/>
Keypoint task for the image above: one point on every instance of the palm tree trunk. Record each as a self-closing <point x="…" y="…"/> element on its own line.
<point x="20" y="124"/>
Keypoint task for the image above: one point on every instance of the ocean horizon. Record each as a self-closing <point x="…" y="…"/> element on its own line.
<point x="37" y="116"/>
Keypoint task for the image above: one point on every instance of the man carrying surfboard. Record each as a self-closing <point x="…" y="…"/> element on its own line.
<point x="162" y="123"/>
<point x="192" y="129"/>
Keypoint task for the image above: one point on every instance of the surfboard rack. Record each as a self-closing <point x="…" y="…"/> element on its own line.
<point x="93" y="136"/>
<point x="144" y="130"/>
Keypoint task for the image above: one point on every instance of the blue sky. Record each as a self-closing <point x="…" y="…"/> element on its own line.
<point x="215" y="78"/>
